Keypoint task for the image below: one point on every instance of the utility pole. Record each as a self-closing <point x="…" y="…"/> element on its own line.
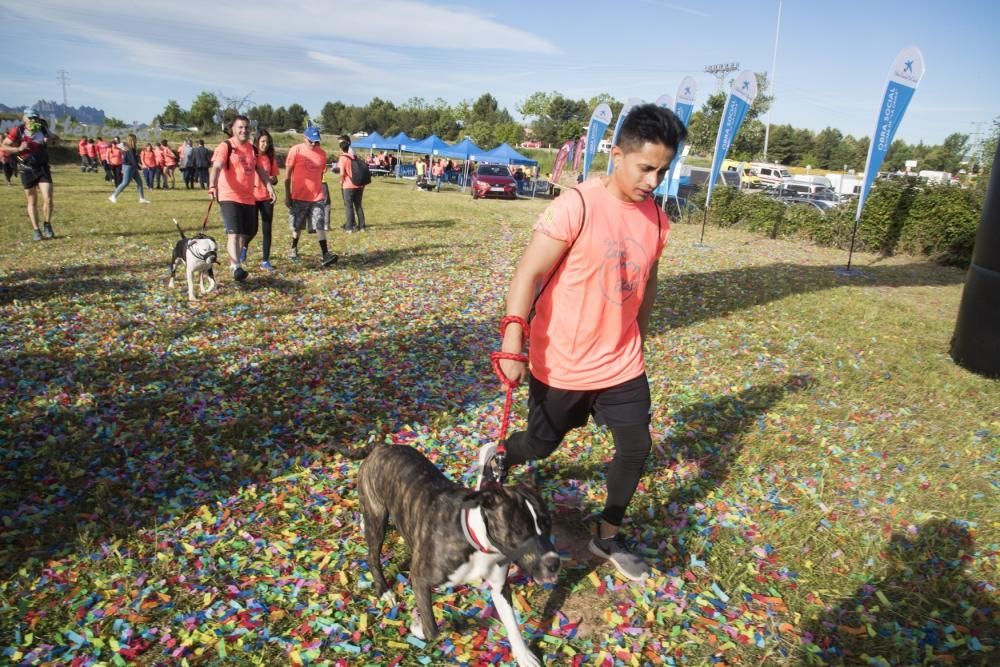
<point x="62" y="76"/>
<point x="720" y="72"/>
<point x="976" y="149"/>
<point x="774" y="67"/>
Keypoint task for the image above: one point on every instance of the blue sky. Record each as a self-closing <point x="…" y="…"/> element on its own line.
<point x="130" y="58"/>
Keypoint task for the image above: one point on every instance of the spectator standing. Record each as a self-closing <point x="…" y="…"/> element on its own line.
<point x="29" y="141"/>
<point x="9" y="163"/>
<point x="232" y="180"/>
<point x="437" y="172"/>
<point x="81" y="148"/>
<point x="102" y="155"/>
<point x="421" y="172"/>
<point x="202" y="160"/>
<point x="187" y="164"/>
<point x="169" y="164"/>
<point x="130" y="170"/>
<point x="354" y="214"/>
<point x="268" y="161"/>
<point x="91" y="149"/>
<point x="160" y="183"/>
<point x="115" y="159"/>
<point x="148" y="159"/>
<point x="304" y="167"/>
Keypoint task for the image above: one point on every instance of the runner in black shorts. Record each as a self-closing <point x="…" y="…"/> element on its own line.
<point x="29" y="141"/>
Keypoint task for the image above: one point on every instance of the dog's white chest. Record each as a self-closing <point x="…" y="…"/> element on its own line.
<point x="480" y="566"/>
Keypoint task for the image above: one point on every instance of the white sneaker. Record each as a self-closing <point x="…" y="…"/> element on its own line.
<point x="144" y="201"/>
<point x="486" y="454"/>
<point x="113" y="199"/>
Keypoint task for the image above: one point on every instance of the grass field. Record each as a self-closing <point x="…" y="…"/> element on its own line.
<point x="823" y="489"/>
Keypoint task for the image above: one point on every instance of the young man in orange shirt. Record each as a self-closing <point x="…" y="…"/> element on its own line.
<point x="231" y="181"/>
<point x="600" y="244"/>
<point x="304" y="194"/>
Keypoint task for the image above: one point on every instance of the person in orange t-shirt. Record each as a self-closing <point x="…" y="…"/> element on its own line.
<point x="350" y="192"/>
<point x="594" y="255"/>
<point x="115" y="157"/>
<point x="231" y="181"/>
<point x="91" y="155"/>
<point x="265" y="207"/>
<point x="147" y="157"/>
<point x="169" y="164"/>
<point x="81" y="148"/>
<point x="304" y="193"/>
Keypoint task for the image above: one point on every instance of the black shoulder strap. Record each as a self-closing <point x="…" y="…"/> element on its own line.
<point x="552" y="273"/>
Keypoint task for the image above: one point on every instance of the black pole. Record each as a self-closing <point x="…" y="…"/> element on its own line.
<point x="704" y="219"/>
<point x="854" y="235"/>
<point x="975" y="344"/>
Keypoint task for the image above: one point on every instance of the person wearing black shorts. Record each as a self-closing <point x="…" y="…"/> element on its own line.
<point x="600" y="247"/>
<point x="234" y="173"/>
<point x="29" y="141"/>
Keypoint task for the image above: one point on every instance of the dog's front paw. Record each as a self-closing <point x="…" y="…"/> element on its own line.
<point x="416" y="627"/>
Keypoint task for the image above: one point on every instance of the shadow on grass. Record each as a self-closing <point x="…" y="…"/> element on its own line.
<point x="75" y="281"/>
<point x="693" y="297"/>
<point x="168" y="248"/>
<point x="709" y="435"/>
<point x="375" y="258"/>
<point x="102" y="445"/>
<point x="925" y="601"/>
<point x="424" y="224"/>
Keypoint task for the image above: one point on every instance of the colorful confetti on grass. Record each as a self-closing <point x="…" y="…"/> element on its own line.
<point x="166" y="496"/>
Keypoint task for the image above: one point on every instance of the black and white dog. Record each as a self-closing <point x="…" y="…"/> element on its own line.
<point x="456" y="535"/>
<point x="198" y="254"/>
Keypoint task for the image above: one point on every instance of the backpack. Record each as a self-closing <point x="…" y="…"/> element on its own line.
<point x="361" y="175"/>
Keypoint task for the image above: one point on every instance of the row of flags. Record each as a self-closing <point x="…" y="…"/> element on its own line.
<point x="904" y="76"/>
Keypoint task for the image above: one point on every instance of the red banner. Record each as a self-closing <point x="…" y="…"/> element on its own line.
<point x="561" y="160"/>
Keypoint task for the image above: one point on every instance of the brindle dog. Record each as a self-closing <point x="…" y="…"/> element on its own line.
<point x="456" y="535"/>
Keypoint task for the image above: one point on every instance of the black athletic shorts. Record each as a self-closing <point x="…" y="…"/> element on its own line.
<point x="238" y="218"/>
<point x="552" y="412"/>
<point x="33" y="175"/>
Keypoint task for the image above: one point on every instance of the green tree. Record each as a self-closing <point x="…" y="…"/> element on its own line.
<point x="296" y="118"/>
<point x="510" y="133"/>
<point x="203" y="111"/>
<point x="825" y="146"/>
<point x="173" y="114"/>
<point x="263" y="114"/>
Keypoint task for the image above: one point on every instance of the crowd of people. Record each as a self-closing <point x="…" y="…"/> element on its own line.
<point x="240" y="174"/>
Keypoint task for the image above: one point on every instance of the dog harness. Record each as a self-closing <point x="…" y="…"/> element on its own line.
<point x="524" y="555"/>
<point x="470" y="534"/>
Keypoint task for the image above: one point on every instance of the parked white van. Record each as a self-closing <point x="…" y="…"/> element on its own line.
<point x="770" y="175"/>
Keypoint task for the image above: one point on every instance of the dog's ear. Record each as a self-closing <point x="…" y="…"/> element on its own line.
<point x="488" y="497"/>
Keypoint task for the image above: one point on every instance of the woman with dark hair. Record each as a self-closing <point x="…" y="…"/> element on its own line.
<point x="130" y="167"/>
<point x="264" y="145"/>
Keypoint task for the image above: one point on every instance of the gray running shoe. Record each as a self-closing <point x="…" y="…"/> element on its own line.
<point x="616" y="551"/>
<point x="486" y="470"/>
<point x="329" y="259"/>
<point x="36" y="235"/>
<point x="293" y="253"/>
<point x="47" y="231"/>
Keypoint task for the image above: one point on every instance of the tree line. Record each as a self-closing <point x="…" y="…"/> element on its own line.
<point x="551" y="118"/>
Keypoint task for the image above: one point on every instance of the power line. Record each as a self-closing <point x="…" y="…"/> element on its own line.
<point x="62" y="76"/>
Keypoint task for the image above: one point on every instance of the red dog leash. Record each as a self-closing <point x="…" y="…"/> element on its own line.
<point x="508" y="384"/>
<point x="204" y="223"/>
